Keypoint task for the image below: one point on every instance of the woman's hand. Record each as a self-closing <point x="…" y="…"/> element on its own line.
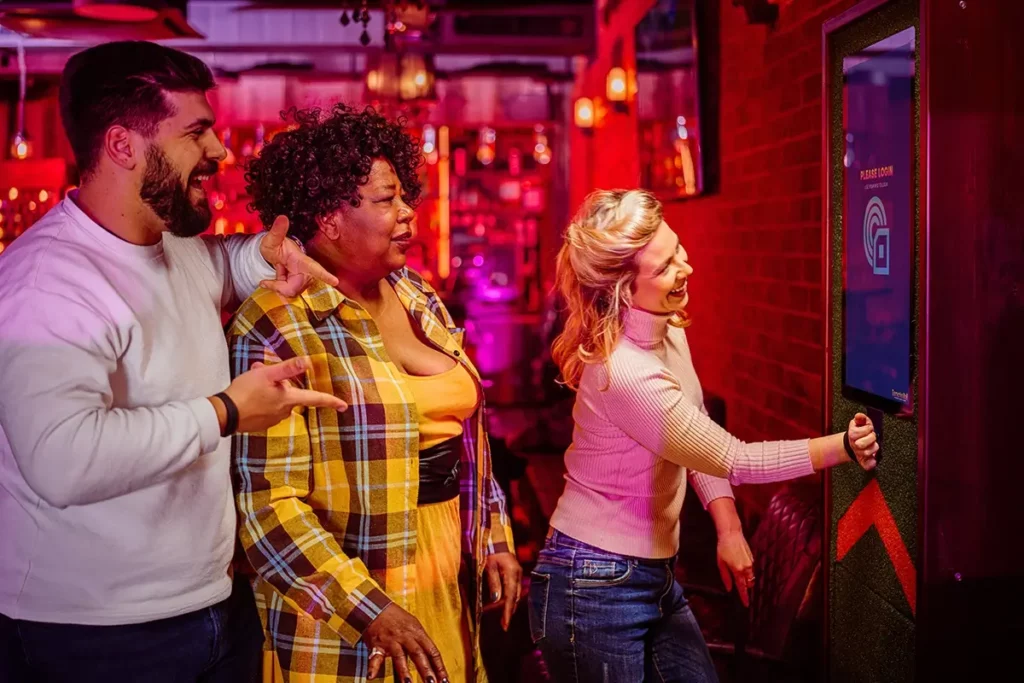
<point x="504" y="576"/>
<point x="863" y="440"/>
<point x="829" y="451"/>
<point x="397" y="634"/>
<point x="736" y="563"/>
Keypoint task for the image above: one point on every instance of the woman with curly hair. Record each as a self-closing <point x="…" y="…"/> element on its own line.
<point x="604" y="604"/>
<point x="374" y="533"/>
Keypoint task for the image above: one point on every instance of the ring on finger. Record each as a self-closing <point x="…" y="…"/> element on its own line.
<point x="377" y="652"/>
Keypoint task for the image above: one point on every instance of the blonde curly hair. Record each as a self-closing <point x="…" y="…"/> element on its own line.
<point x="596" y="269"/>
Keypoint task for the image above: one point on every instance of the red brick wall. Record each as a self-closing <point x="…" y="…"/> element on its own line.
<point x="756" y="294"/>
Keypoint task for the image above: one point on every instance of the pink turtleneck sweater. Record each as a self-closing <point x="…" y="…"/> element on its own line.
<point x="640" y="429"/>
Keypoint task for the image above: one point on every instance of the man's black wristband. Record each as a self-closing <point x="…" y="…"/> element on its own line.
<point x="848" y="447"/>
<point x="231" y="423"/>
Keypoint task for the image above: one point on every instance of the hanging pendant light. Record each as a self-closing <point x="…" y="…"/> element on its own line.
<point x="583" y="113"/>
<point x="21" y="147"/>
<point x="394" y="17"/>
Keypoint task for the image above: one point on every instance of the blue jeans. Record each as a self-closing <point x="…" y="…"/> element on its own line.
<point x="599" y="617"/>
<point x="219" y="644"/>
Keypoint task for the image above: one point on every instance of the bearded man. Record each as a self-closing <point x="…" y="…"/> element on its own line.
<point x="117" y="522"/>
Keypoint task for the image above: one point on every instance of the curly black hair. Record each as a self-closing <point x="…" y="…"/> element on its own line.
<point x="310" y="170"/>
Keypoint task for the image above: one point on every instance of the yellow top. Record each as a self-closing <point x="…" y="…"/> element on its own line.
<point x="444" y="402"/>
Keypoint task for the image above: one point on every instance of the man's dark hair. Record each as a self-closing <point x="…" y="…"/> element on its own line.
<point x="313" y="169"/>
<point x="123" y="83"/>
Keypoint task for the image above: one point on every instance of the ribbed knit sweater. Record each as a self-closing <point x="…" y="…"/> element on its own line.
<point x="640" y="426"/>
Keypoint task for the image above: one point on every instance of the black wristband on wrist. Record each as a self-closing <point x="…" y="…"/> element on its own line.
<point x="848" y="447"/>
<point x="231" y="423"/>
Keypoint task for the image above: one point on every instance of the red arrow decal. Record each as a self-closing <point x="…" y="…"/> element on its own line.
<point x="870" y="509"/>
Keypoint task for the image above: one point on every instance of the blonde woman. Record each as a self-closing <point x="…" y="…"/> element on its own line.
<point x="604" y="605"/>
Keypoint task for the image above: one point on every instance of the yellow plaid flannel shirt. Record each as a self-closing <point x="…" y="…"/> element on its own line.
<point x="327" y="500"/>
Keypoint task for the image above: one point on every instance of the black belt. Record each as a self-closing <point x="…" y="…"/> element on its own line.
<point x="439" y="472"/>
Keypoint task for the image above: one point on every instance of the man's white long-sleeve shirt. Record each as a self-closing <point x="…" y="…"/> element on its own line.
<point x="115" y="493"/>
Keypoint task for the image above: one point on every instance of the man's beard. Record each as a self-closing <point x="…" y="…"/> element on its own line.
<point x="162" y="191"/>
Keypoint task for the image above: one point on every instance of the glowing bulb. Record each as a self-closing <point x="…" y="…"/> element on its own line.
<point x="239" y="227"/>
<point x="220" y="226"/>
<point x="32" y="206"/>
<point x="13" y="194"/>
<point x="615" y="85"/>
<point x="43" y="195"/>
<point x="584" y="112"/>
<point x="21" y="148"/>
<point x="429" y="139"/>
<point x="420" y="79"/>
<point x="485" y="154"/>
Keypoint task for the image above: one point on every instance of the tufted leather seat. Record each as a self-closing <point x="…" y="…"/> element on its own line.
<point x="787" y="551"/>
<point x="777" y="638"/>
